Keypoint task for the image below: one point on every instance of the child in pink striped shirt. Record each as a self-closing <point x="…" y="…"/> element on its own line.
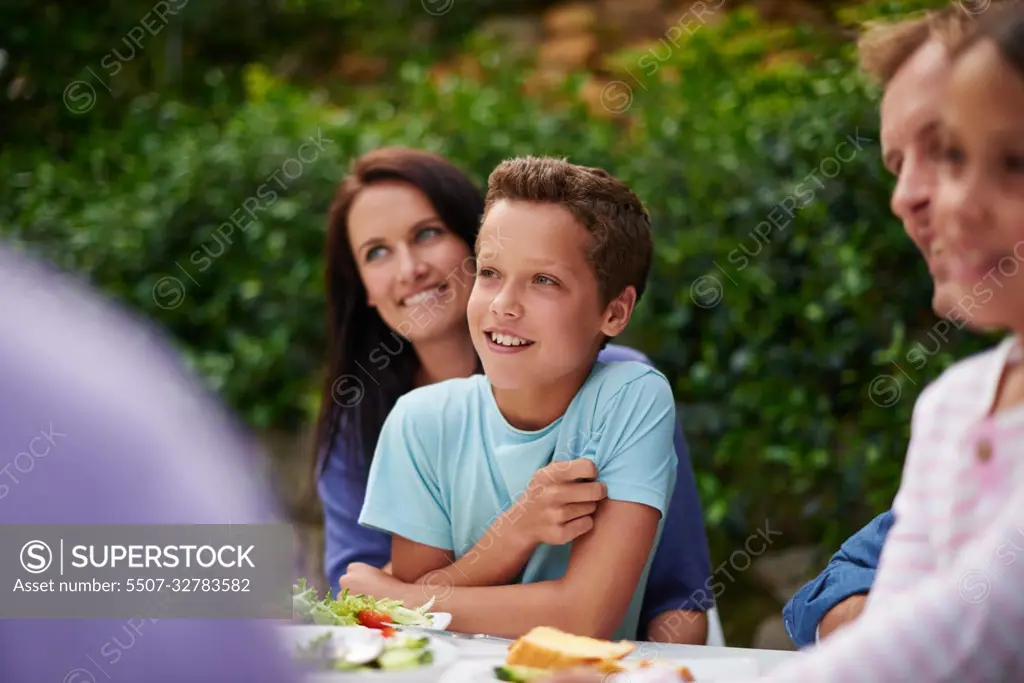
<point x="948" y="601"/>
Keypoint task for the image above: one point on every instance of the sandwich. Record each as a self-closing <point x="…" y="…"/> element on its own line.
<point x="544" y="649"/>
<point x="548" y="648"/>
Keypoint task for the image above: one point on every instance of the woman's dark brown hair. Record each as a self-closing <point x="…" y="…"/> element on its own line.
<point x="353" y="404"/>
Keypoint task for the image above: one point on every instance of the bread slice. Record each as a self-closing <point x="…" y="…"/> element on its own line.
<point x="548" y="648"/>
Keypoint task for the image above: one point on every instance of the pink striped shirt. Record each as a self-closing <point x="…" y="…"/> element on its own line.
<point x="948" y="601"/>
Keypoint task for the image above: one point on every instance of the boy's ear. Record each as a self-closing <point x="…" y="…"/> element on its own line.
<point x="618" y="312"/>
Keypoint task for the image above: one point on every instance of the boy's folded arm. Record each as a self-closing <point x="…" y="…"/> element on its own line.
<point x="636" y="459"/>
<point x="604" y="568"/>
<point x="414" y="562"/>
<point x="491" y="562"/>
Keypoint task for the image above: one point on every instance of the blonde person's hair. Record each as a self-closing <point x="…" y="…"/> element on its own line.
<point x="885" y="46"/>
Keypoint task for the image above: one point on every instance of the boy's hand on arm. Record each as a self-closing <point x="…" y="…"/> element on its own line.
<point x="557" y="507"/>
<point x="559" y="504"/>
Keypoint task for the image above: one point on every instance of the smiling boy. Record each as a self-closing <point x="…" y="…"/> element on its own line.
<point x="573" y="252"/>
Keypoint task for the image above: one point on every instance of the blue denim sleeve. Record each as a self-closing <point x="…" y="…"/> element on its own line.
<point x="342" y="488"/>
<point x="851" y="571"/>
<point x="681" y="570"/>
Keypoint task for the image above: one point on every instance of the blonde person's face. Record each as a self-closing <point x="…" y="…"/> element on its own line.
<point x="535" y="314"/>
<point x="979" y="210"/>
<point x="416" y="271"/>
<point x="910" y="113"/>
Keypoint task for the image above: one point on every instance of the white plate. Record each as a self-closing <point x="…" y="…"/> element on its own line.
<point x="710" y="669"/>
<point x="445" y="654"/>
<point x="439" y="621"/>
<point x="300" y="634"/>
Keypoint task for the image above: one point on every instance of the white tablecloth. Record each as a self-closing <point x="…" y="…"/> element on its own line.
<point x="766" y="659"/>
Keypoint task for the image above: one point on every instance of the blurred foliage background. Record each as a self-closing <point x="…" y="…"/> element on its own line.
<point x="786" y="304"/>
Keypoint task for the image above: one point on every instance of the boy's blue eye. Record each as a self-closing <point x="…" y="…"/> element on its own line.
<point x="485" y="272"/>
<point x="544" y="280"/>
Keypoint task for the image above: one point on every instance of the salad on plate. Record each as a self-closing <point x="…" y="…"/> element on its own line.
<point x="350" y="609"/>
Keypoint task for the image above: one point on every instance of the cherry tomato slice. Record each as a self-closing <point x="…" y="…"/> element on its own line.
<point x="372" y="619"/>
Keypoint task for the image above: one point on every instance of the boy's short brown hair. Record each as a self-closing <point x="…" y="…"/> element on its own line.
<point x="884" y="47"/>
<point x="621" y="245"/>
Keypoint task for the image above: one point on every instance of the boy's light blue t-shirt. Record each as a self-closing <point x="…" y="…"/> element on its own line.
<point x="447" y="463"/>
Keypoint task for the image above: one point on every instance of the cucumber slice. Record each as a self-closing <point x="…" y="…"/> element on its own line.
<point x="400" y="643"/>
<point x="519" y="674"/>
<point x="404" y="659"/>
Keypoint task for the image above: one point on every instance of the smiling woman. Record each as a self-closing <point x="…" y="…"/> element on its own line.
<point x="398" y="274"/>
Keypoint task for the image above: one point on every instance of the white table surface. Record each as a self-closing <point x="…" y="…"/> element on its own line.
<point x="470" y="652"/>
<point x="766" y="659"/>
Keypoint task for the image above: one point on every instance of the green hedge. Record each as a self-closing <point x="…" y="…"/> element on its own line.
<point x="782" y="286"/>
<point x="180" y="47"/>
